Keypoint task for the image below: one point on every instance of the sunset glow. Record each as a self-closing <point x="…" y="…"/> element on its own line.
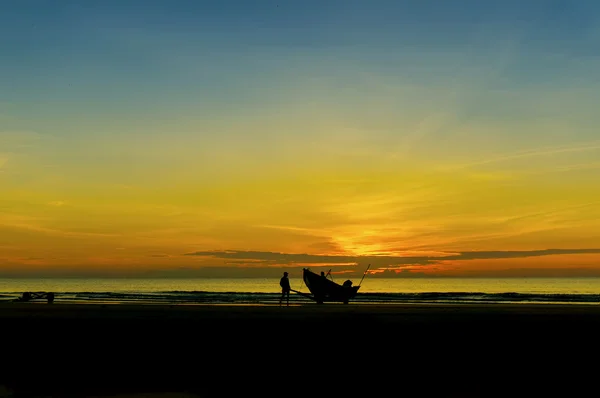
<point x="158" y="138"/>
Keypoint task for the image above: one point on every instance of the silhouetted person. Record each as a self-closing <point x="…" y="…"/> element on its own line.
<point x="284" y="282"/>
<point x="320" y="297"/>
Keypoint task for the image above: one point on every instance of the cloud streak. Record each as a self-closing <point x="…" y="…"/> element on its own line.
<point x="262" y="258"/>
<point x="589" y="146"/>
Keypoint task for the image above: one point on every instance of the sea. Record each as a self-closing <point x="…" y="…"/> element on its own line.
<point x="256" y="291"/>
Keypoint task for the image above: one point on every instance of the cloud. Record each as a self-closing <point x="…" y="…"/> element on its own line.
<point x="35" y="224"/>
<point x="576" y="167"/>
<point x="262" y="258"/>
<point x="589" y="146"/>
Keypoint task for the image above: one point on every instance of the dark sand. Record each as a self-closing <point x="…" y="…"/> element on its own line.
<point x="421" y="350"/>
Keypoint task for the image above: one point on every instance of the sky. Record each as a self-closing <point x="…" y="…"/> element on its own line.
<point x="240" y="138"/>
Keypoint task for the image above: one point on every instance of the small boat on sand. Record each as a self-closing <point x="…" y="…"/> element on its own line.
<point x="323" y="289"/>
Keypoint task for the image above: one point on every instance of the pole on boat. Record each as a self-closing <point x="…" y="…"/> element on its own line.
<point x="364" y="273"/>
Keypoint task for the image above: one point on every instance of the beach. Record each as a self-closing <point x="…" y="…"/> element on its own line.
<point x="102" y="350"/>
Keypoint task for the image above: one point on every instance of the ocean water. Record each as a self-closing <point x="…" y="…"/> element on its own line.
<point x="372" y="290"/>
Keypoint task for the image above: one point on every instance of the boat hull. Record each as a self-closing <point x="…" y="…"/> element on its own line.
<point x="323" y="289"/>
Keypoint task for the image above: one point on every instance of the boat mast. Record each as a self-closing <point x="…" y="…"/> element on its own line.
<point x="364" y="273"/>
<point x="328" y="274"/>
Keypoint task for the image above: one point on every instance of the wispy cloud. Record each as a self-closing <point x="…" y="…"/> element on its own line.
<point x="576" y="167"/>
<point x="548" y="151"/>
<point x="274" y="258"/>
<point x="35" y="224"/>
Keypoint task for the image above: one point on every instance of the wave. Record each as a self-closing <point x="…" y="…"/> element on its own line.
<point x="205" y="297"/>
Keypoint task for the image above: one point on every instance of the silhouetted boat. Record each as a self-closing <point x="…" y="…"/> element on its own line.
<point x="323" y="289"/>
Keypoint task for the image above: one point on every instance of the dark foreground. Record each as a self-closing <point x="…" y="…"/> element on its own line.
<point x="87" y="350"/>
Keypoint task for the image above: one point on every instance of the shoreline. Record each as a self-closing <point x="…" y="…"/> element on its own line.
<point x="374" y="304"/>
<point x="295" y="303"/>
